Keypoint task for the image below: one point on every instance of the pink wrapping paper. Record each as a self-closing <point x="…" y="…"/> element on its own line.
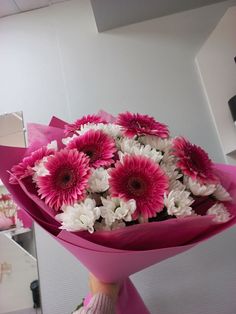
<point x="115" y="255"/>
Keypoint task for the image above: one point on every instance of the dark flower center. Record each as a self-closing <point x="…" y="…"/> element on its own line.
<point x="136" y="186"/>
<point x="91" y="151"/>
<point x="65" y="178"/>
<point x="197" y="161"/>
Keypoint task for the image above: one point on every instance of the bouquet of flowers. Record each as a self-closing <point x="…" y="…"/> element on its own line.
<point x="8" y="212"/>
<point x="120" y="192"/>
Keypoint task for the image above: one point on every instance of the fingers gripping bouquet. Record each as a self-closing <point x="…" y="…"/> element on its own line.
<point x="120" y="193"/>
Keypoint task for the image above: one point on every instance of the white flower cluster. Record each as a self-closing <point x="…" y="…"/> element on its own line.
<point x="115" y="210"/>
<point x="178" y="203"/>
<point x="111" y="129"/>
<point x="131" y="147"/>
<point x="80" y="216"/>
<point x="84" y="215"/>
<point x="220" y="213"/>
<point x="98" y="181"/>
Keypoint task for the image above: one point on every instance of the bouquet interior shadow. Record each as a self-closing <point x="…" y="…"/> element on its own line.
<point x="119" y="193"/>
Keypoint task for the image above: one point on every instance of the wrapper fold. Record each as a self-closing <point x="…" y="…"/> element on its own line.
<point x="114" y="255"/>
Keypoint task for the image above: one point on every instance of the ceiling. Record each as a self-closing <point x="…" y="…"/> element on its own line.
<point x="115" y="13"/>
<point x="9" y="7"/>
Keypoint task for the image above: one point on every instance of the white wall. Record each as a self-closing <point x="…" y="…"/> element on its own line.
<point x="217" y="68"/>
<point x="53" y="61"/>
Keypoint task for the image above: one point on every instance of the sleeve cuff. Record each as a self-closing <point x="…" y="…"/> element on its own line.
<point x="101" y="303"/>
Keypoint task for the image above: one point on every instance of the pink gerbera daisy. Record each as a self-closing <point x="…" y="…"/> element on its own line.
<point x="76" y="126"/>
<point x="67" y="179"/>
<point x="97" y="145"/>
<point x="138" y="124"/>
<point x="24" y="168"/>
<point x="141" y="179"/>
<point x="193" y="161"/>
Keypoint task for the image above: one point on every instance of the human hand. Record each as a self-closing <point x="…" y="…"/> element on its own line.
<point x="97" y="286"/>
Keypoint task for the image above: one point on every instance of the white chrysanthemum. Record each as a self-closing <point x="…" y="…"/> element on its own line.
<point x="98" y="180"/>
<point x="220" y="212"/>
<point x="80" y="216"/>
<point x="53" y="145"/>
<point x="199" y="189"/>
<point x="40" y="169"/>
<point x="158" y="143"/>
<point x="127" y="145"/>
<point x="118" y="224"/>
<point x="125" y="210"/>
<point x="115" y="209"/>
<point x="169" y="158"/>
<point x="110" y="129"/>
<point x="178" y="203"/>
<point x="133" y="147"/>
<point x="67" y="140"/>
<point x="176" y="185"/>
<point x="101" y="226"/>
<point x="108" y="209"/>
<point x="171" y="171"/>
<point x="150" y="152"/>
<point x="221" y="194"/>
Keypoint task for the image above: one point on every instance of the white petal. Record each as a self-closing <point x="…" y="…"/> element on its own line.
<point x="220" y="213"/>
<point x="53" y="145"/>
<point x="178" y="203"/>
<point x="98" y="180"/>
<point x="221" y="194"/>
<point x="80" y="216"/>
<point x="199" y="189"/>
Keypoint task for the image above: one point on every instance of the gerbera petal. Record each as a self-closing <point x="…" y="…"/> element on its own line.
<point x="193" y="161"/>
<point x="76" y="126"/>
<point x="67" y="178"/>
<point x="138" y="124"/>
<point x="98" y="146"/>
<point x="25" y="168"/>
<point x="140" y="179"/>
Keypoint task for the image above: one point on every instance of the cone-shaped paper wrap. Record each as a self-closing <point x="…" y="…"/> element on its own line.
<point x="115" y="255"/>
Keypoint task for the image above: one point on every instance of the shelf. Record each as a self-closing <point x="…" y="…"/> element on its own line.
<point x="14" y="231"/>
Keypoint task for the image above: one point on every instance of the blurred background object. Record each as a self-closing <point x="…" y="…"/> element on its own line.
<point x="19" y="285"/>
